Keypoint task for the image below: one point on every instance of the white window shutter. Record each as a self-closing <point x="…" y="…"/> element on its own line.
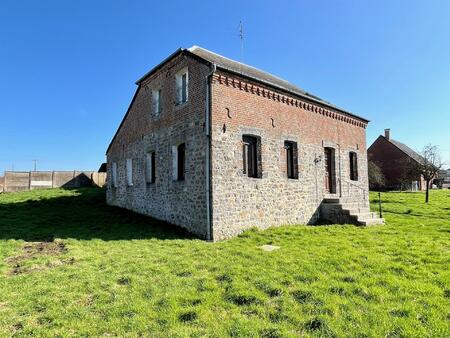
<point x="154" y="98"/>
<point x="129" y="171"/>
<point x="114" y="174"/>
<point x="179" y="87"/>
<point x="148" y="167"/>
<point x="185" y="87"/>
<point x="174" y="163"/>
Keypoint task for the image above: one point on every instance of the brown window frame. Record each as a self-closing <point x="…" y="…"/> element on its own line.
<point x="152" y="178"/>
<point x="353" y="158"/>
<point x="251" y="156"/>
<point x="181" y="162"/>
<point x="291" y="159"/>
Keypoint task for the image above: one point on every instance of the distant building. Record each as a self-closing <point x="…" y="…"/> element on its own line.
<point x="394" y="160"/>
<point x="102" y="168"/>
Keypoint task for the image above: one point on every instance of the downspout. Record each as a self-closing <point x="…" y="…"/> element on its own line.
<point x="208" y="154"/>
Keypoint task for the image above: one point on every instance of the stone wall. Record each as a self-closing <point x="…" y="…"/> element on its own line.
<point x="243" y="107"/>
<point x="142" y="131"/>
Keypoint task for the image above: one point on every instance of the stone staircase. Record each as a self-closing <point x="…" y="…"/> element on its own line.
<point x="343" y="211"/>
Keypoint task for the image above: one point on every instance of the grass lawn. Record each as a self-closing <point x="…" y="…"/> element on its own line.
<point x="72" y="266"/>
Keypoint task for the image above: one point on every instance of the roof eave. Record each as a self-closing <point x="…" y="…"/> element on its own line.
<point x="309" y="98"/>
<point x="159" y="65"/>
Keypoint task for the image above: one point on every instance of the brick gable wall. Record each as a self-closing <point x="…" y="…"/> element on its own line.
<point x="182" y="203"/>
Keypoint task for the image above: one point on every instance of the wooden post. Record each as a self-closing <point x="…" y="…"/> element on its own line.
<point x="29" y="180"/>
<point x="379" y="204"/>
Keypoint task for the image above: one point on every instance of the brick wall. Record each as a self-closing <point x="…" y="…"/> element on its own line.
<point x="392" y="162"/>
<point x="184" y="202"/>
<point x="239" y="202"/>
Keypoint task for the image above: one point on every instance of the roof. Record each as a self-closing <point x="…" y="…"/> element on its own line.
<point x="407" y="150"/>
<point x="253" y="73"/>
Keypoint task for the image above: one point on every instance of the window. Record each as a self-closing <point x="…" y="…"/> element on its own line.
<point x="156" y="100"/>
<point x="181" y="80"/>
<point x="251" y="156"/>
<point x="353" y="166"/>
<point x="150" y="167"/>
<point x="291" y="159"/>
<point x="178" y="162"/>
<point x="114" y="174"/>
<point x="129" y="168"/>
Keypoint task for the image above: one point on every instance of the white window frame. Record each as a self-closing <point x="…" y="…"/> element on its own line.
<point x="156" y="100"/>
<point x="114" y="174"/>
<point x="129" y="169"/>
<point x="179" y="86"/>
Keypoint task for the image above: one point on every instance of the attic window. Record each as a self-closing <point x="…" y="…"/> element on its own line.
<point x="181" y="81"/>
<point x="156" y="100"/>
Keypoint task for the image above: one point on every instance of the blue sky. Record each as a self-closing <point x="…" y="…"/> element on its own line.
<point x="67" y="68"/>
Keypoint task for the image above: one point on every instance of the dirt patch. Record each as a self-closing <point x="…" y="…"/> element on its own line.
<point x="34" y="250"/>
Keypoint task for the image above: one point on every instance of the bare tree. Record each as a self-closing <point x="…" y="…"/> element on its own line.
<point x="376" y="177"/>
<point x="430" y="165"/>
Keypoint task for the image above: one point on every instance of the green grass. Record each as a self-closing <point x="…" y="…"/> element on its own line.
<point x="72" y="266"/>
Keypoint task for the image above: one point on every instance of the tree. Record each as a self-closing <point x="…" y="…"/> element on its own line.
<point x="429" y="166"/>
<point x="376" y="177"/>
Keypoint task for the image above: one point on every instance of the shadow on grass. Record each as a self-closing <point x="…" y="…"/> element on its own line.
<point x="82" y="216"/>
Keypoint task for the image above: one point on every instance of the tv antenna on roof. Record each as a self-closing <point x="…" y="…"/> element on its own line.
<point x="241" y="36"/>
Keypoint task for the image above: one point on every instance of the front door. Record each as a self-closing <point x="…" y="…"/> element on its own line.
<point x="328" y="170"/>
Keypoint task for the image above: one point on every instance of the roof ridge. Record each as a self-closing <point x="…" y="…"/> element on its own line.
<point x="242" y="63"/>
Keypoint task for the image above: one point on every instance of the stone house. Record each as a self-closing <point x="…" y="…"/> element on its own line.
<point x="217" y="147"/>
<point x="395" y="160"/>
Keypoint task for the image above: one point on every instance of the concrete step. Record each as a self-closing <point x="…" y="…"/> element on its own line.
<point x="371" y="221"/>
<point x="365" y="215"/>
<point x="357" y="211"/>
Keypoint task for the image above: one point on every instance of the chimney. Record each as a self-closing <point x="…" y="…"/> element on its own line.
<point x="387" y="134"/>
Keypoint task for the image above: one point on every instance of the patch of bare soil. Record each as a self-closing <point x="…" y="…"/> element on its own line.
<point x="33" y="250"/>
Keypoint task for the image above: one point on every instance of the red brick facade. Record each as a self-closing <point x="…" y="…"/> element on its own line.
<point x="393" y="163"/>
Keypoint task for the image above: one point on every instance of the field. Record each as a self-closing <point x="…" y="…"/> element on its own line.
<point x="72" y="266"/>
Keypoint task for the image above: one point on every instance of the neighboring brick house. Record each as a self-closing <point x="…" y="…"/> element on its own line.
<point x="394" y="160"/>
<point x="217" y="147"/>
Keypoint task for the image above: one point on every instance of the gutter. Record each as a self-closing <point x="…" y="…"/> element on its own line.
<point x="208" y="153"/>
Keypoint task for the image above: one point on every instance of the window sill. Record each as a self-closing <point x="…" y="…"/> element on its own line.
<point x="180" y="105"/>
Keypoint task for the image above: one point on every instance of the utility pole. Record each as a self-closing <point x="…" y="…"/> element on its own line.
<point x="34" y="164"/>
